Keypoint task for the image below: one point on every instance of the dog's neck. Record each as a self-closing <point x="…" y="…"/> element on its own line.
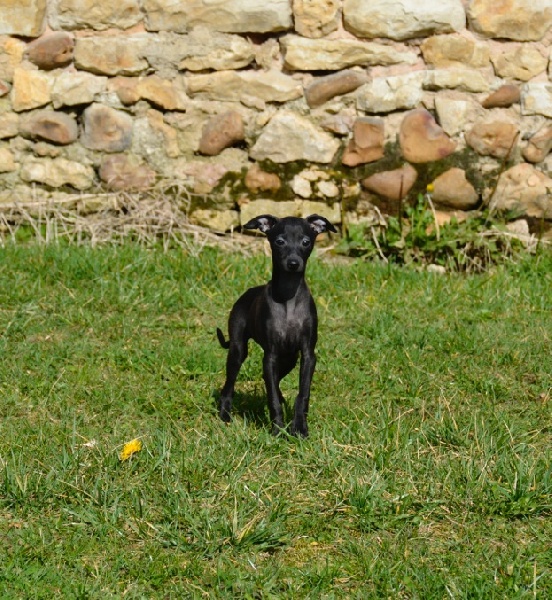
<point x="284" y="285"/>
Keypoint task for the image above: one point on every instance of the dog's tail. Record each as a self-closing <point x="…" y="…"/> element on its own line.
<point x="225" y="344"/>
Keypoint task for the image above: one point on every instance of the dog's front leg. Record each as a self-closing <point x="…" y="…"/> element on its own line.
<point x="299" y="425"/>
<point x="270" y="376"/>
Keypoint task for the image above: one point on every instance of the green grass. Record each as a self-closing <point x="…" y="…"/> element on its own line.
<point x="427" y="473"/>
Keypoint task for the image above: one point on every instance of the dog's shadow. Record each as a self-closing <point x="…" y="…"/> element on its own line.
<point x="251" y="406"/>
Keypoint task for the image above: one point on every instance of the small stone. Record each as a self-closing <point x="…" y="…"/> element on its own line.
<point x="9" y="125"/>
<point x="452" y="189"/>
<point x="52" y="51"/>
<point x="216" y="220"/>
<point x="393" y="185"/>
<point x="539" y="145"/>
<point x="496" y="138"/>
<point x="504" y="97"/>
<point x="7" y="162"/>
<point x="337" y="84"/>
<point x="31" y="89"/>
<point x="106" y="129"/>
<point x="301" y="186"/>
<point x="422" y="140"/>
<point x="56" y="127"/>
<point x="221" y="132"/>
<point x="124" y="172"/>
<point x="367" y="142"/>
<point x="258" y="180"/>
<point x="316" y="19"/>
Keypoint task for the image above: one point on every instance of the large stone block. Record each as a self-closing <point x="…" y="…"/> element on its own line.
<point x="72" y="88"/>
<point x="303" y="54"/>
<point x="523" y="20"/>
<point x="519" y="61"/>
<point x="25" y="18"/>
<point x="248" y="87"/>
<point x="112" y="55"/>
<point x="403" y="19"/>
<point x="91" y="14"/>
<point x="231" y="16"/>
<point x="455" y="50"/>
<point x="289" y="137"/>
<point x="57" y="172"/>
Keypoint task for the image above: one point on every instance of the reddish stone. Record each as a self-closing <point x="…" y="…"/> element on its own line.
<point x="49" y="125"/>
<point x="422" y="140"/>
<point x="366" y="144"/>
<point x="221" y="132"/>
<point x="393" y="185"/>
<point x="51" y="51"/>
<point x="493" y="139"/>
<point x="122" y="172"/>
<point x="504" y="97"/>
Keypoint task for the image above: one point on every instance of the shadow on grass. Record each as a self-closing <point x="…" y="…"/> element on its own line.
<point x="253" y="407"/>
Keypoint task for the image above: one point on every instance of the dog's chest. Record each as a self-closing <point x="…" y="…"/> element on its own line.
<point x="290" y="321"/>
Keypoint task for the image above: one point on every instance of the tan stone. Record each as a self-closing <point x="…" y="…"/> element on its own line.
<point x="258" y="180"/>
<point x="337" y="84"/>
<point x="289" y="137"/>
<point x="31" y="89"/>
<point x="536" y="99"/>
<point x="393" y="185"/>
<point x="289" y="208"/>
<point x="106" y="129"/>
<point x="455" y="112"/>
<point x="303" y="54"/>
<point x="521" y="62"/>
<point x="216" y="220"/>
<point x="164" y="93"/>
<point x="76" y="88"/>
<point x="12" y="51"/>
<point x="422" y="140"/>
<point x="505" y="96"/>
<point x="26" y="18"/>
<point x="495" y="138"/>
<point x="205" y="49"/>
<point x="539" y="145"/>
<point x="91" y="14"/>
<point x="57" y="172"/>
<point x="126" y="172"/>
<point x="455" y="50"/>
<point x="402" y="19"/>
<point x="245" y="86"/>
<point x="232" y="16"/>
<point x="7" y="161"/>
<point x="464" y="79"/>
<point x="112" y="55"/>
<point x="9" y="125"/>
<point x="525" y="190"/>
<point x="220" y="132"/>
<point x="388" y="94"/>
<point x="367" y="142"/>
<point x="4" y="89"/>
<point x="523" y="20"/>
<point x="316" y="19"/>
<point x="452" y="189"/>
<point x="55" y="127"/>
<point x="51" y="51"/>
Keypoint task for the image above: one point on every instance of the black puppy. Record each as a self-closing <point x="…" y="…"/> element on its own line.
<point x="280" y="316"/>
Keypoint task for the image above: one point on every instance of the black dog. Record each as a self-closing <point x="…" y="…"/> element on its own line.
<point x="280" y="316"/>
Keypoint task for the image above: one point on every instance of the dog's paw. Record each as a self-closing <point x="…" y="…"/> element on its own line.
<point x="299" y="428"/>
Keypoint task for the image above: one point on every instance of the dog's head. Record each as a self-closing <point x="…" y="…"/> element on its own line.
<point x="291" y="238"/>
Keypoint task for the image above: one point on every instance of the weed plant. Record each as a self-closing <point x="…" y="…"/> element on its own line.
<point x="473" y="245"/>
<point x="427" y="473"/>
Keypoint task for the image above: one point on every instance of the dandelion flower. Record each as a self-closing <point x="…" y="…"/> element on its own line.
<point x="430" y="188"/>
<point x="130" y="448"/>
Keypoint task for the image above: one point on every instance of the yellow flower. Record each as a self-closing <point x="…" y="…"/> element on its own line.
<point x="130" y="448"/>
<point x="430" y="188"/>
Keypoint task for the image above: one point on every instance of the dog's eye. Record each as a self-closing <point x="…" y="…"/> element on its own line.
<point x="306" y="242"/>
<point x="280" y="242"/>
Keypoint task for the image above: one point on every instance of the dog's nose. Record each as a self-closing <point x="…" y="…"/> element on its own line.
<point x="293" y="264"/>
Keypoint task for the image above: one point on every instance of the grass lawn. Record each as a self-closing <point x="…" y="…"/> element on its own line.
<point x="427" y="473"/>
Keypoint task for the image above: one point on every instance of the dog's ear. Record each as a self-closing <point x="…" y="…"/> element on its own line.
<point x="263" y="223"/>
<point x="320" y="224"/>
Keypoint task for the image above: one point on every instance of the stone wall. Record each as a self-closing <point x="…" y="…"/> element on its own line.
<point x="287" y="106"/>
